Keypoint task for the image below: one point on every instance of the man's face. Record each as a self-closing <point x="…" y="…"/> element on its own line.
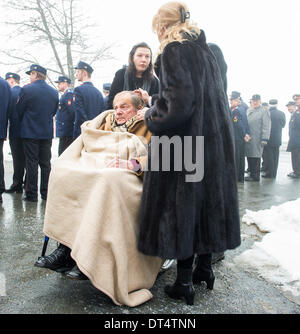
<point x="79" y="74"/>
<point x="124" y="109"/>
<point x="234" y="103"/>
<point x="291" y="108"/>
<point x="141" y="59"/>
<point x="33" y="76"/>
<point x="11" y="82"/>
<point x="256" y="103"/>
<point x="62" y="86"/>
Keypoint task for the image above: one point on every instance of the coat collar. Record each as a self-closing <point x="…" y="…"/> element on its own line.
<point x="89" y="83"/>
<point x="39" y="82"/>
<point x="68" y="90"/>
<point x="251" y="110"/>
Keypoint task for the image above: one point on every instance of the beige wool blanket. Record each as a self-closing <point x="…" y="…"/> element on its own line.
<point x="94" y="211"/>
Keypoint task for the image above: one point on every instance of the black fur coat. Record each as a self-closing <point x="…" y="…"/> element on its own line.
<point x="179" y="218"/>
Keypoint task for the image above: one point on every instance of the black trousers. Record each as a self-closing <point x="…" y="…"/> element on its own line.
<point x="263" y="161"/>
<point x="254" y="167"/>
<point x="271" y="160"/>
<point x="37" y="153"/>
<point x="240" y="159"/>
<point x="18" y="156"/>
<point x="2" y="182"/>
<point x="295" y="155"/>
<point x="64" y="142"/>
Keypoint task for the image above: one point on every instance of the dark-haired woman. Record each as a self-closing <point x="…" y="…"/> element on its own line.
<point x="137" y="75"/>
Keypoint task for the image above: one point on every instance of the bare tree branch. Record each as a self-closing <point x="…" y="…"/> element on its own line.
<point x="49" y="24"/>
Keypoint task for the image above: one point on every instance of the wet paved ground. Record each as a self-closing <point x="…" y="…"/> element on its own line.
<point x="25" y="289"/>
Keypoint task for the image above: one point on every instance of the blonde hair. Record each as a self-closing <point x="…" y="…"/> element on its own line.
<point x="169" y="17"/>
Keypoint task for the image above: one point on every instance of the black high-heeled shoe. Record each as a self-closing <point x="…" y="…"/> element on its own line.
<point x="203" y="271"/>
<point x="180" y="290"/>
<point x="183" y="286"/>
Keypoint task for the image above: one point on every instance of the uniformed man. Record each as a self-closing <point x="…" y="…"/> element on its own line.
<point x="244" y="106"/>
<point x="294" y="133"/>
<point x="260" y="127"/>
<point x="65" y="114"/>
<point x="36" y="106"/>
<point x="88" y="99"/>
<point x="241" y="133"/>
<point x="5" y="101"/>
<point x="15" y="142"/>
<point x="271" y="150"/>
<point x="106" y="90"/>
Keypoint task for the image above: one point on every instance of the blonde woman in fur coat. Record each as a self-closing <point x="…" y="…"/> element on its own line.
<point x="180" y="218"/>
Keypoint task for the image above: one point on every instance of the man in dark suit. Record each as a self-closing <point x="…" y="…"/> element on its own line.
<point x="294" y="141"/>
<point x="271" y="150"/>
<point x="65" y="114"/>
<point x="15" y="142"/>
<point x="5" y="101"/>
<point x="36" y="106"/>
<point x="241" y="133"/>
<point x="88" y="99"/>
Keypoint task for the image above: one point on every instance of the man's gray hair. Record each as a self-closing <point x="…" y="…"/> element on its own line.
<point x="135" y="99"/>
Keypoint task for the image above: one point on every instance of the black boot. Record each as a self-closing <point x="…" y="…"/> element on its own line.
<point x="183" y="286"/>
<point x="14" y="189"/>
<point x="60" y="260"/>
<point x="203" y="271"/>
<point x="75" y="273"/>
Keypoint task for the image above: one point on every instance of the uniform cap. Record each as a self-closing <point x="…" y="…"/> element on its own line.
<point x="84" y="66"/>
<point x="38" y="68"/>
<point x="63" y="79"/>
<point x="273" y="102"/>
<point x="106" y="86"/>
<point x="256" y="97"/>
<point x="295" y="96"/>
<point x="235" y="95"/>
<point x="290" y="103"/>
<point x="12" y="75"/>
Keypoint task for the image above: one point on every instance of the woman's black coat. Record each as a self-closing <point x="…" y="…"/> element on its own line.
<point x="179" y="218"/>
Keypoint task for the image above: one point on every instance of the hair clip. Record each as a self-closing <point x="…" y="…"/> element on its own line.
<point x="184" y="15"/>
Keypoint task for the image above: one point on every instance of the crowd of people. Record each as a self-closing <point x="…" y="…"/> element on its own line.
<point x="258" y="136"/>
<point x="115" y="220"/>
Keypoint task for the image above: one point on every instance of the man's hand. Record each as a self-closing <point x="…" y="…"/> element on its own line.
<point x="247" y="138"/>
<point x="119" y="163"/>
<point x="264" y="142"/>
<point x="143" y="94"/>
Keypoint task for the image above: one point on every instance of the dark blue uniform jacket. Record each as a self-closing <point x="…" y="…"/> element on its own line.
<point x="36" y="107"/>
<point x="14" y="127"/>
<point x="5" y="102"/>
<point x="89" y="103"/>
<point x="278" y="121"/>
<point x="65" y="115"/>
<point x="294" y="131"/>
<point x="240" y="123"/>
